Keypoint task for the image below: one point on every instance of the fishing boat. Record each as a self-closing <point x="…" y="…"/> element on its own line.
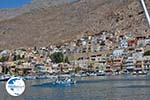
<point x="64" y="81"/>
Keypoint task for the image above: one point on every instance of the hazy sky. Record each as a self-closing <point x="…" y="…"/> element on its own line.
<point x="12" y="3"/>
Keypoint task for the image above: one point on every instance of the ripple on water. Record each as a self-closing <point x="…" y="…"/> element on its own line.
<point x="135" y="86"/>
<point x="51" y="84"/>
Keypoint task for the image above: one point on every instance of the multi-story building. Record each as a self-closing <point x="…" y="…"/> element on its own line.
<point x="117" y="64"/>
<point x="146" y="63"/>
<point x="139" y="65"/>
<point x="129" y="64"/>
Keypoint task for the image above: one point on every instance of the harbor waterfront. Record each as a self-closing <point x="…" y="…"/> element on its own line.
<point x="87" y="88"/>
<point x="74" y="50"/>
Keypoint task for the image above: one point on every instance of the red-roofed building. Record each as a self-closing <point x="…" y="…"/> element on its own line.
<point x="132" y="42"/>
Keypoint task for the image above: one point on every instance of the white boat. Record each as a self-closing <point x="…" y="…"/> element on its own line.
<point x="64" y="81"/>
<point x="77" y="75"/>
<point x="100" y="74"/>
<point x="4" y="77"/>
<point x="92" y="74"/>
<point x="51" y="76"/>
<point x="83" y="75"/>
<point x="29" y="77"/>
<point x="41" y="77"/>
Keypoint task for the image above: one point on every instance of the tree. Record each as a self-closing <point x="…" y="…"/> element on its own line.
<point x="77" y="69"/>
<point x="147" y="53"/>
<point x="57" y="57"/>
<point x="16" y="72"/>
<point x="35" y="48"/>
<point x="90" y="66"/>
<point x="25" y="72"/>
<point x="5" y="70"/>
<point x="4" y="58"/>
<point x="67" y="60"/>
<point x="16" y="57"/>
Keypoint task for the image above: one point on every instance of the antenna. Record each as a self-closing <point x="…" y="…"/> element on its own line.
<point x="146" y="12"/>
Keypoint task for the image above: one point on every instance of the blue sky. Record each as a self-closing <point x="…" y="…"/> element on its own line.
<point x="12" y="3"/>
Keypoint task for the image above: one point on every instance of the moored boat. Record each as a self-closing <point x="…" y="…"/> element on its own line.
<point x="4" y="77"/>
<point x="29" y="77"/>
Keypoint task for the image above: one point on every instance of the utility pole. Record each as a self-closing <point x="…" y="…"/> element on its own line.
<point x="146" y="12"/>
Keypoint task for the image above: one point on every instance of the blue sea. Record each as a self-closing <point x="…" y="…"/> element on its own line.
<point x="90" y="88"/>
<point x="18" y="3"/>
<point x="13" y="3"/>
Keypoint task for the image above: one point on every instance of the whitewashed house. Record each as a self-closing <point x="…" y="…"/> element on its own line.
<point x="118" y="53"/>
<point x="138" y="53"/>
<point x="129" y="64"/>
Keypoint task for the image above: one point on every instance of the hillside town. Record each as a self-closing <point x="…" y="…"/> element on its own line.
<point x="75" y="49"/>
<point x="105" y="53"/>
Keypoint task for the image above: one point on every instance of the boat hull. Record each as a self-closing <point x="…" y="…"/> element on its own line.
<point x="6" y="79"/>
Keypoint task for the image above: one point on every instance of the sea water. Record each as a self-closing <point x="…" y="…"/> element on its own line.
<point x="90" y="88"/>
<point x="13" y="3"/>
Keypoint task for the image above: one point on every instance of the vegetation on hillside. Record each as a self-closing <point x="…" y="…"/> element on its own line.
<point x="147" y="53"/>
<point x="57" y="57"/>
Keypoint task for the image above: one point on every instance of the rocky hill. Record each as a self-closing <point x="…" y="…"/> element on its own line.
<point x="44" y="22"/>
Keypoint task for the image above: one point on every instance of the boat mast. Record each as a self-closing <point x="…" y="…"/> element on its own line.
<point x="146" y="12"/>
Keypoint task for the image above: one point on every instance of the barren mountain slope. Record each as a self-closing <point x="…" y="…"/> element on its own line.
<point x="49" y="23"/>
